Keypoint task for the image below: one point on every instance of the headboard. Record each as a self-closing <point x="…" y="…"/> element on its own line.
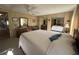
<point x="57" y="28"/>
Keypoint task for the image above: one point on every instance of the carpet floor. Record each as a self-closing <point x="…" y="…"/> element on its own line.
<point x="12" y="43"/>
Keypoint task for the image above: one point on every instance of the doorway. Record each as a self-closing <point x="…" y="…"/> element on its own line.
<point x="4" y="25"/>
<point x="58" y="21"/>
<point x="44" y="24"/>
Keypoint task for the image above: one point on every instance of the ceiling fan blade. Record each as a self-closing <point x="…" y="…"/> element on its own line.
<point x="30" y="9"/>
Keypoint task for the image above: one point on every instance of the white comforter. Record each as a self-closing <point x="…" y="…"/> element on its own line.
<point x="37" y="42"/>
<point x="64" y="45"/>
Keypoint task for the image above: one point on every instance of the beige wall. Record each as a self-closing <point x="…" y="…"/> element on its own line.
<point x="49" y="23"/>
<point x="33" y="21"/>
<point x="12" y="14"/>
<point x="66" y="15"/>
<point x="40" y="21"/>
<point x="75" y="20"/>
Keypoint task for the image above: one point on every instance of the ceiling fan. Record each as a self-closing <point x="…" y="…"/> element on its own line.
<point x="30" y="9"/>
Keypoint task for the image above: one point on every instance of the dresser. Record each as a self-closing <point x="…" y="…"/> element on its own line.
<point x="19" y="31"/>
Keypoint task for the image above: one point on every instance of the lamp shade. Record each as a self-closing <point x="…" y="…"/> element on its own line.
<point x="9" y="53"/>
<point x="67" y="25"/>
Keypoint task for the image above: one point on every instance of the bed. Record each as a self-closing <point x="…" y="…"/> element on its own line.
<point x="37" y="43"/>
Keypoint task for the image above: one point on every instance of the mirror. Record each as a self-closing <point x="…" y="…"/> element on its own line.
<point x="23" y="22"/>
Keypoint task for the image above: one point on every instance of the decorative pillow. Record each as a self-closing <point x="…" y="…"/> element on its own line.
<point x="54" y="37"/>
<point x="57" y="28"/>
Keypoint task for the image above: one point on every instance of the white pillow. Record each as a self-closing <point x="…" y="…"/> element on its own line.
<point x="58" y="28"/>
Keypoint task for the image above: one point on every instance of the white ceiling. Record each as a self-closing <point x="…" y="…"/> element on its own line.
<point x="39" y="9"/>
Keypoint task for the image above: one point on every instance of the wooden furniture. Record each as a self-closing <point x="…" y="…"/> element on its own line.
<point x="21" y="30"/>
<point x="44" y="27"/>
<point x="66" y="30"/>
<point x="34" y="27"/>
<point x="4" y="34"/>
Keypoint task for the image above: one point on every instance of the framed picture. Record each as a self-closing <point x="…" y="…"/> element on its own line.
<point x="33" y="20"/>
<point x="15" y="21"/>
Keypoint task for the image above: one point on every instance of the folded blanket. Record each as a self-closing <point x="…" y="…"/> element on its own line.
<point x="54" y="37"/>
